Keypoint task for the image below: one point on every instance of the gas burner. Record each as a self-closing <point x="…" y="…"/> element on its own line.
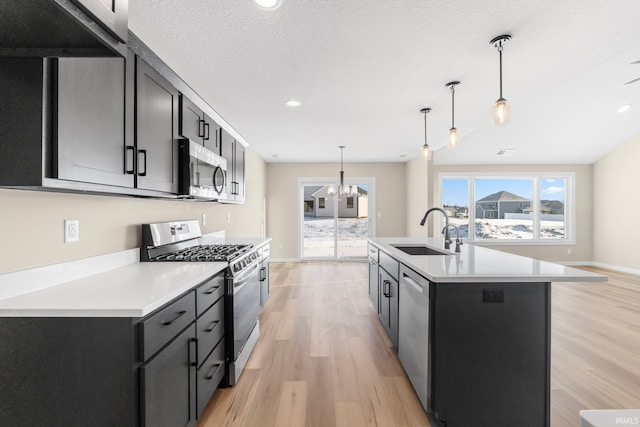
<point x="198" y="253"/>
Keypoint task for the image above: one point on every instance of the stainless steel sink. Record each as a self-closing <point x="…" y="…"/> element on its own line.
<point x="419" y="250"/>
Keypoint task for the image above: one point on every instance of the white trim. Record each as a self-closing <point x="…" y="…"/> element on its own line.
<point x="370" y="182"/>
<point x="617" y="268"/>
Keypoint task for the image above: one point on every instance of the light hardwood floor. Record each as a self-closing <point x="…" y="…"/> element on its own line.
<point x="323" y="358"/>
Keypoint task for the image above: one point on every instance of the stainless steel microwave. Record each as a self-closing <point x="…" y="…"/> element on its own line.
<point x="202" y="174"/>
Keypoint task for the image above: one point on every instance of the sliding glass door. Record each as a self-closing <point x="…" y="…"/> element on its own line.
<point x="333" y="226"/>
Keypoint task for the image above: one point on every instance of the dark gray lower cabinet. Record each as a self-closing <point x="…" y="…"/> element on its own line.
<point x="264" y="275"/>
<point x="168" y="384"/>
<point x="373" y="284"/>
<point x="156" y="371"/>
<point x="388" y="313"/>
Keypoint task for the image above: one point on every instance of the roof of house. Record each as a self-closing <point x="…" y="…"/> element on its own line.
<point x="503" y="196"/>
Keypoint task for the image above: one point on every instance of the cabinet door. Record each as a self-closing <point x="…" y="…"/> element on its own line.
<point x="238" y="171"/>
<point x="211" y="138"/>
<point x="192" y="124"/>
<point x="373" y="284"/>
<point x="393" y="312"/>
<point x="168" y="382"/>
<point x="110" y="14"/>
<point x="90" y="121"/>
<point x="384" y="286"/>
<point x="264" y="282"/>
<point x="226" y="151"/>
<point x="156" y="130"/>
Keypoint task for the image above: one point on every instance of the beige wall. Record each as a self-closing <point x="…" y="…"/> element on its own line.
<point x="582" y="251"/>
<point x="32" y="221"/>
<point x="616" y="180"/>
<point x="282" y="199"/>
<point x="417" y="195"/>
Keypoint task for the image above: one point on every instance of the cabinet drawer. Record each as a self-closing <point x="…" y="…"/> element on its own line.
<point x="159" y="328"/>
<point x="373" y="252"/>
<point x="210" y="329"/>
<point x="209" y="376"/>
<point x="390" y="265"/>
<point x="209" y="292"/>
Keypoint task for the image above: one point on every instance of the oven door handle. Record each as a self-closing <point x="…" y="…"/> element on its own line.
<point x="238" y="285"/>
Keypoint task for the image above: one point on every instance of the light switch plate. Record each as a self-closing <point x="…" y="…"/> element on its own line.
<point x="71" y="230"/>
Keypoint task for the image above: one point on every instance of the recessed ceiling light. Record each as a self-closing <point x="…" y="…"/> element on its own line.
<point x="269" y="4"/>
<point x="293" y="103"/>
<point x="624" y="108"/>
<point x="275" y="156"/>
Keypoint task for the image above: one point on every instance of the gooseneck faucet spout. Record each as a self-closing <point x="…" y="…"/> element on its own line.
<point x="447" y="238"/>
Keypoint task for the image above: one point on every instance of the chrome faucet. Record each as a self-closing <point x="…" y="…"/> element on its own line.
<point x="447" y="238"/>
<point x="458" y="238"/>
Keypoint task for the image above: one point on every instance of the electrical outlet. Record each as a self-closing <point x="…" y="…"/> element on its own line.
<point x="204" y="219"/>
<point x="71" y="230"/>
<point x="228" y="218"/>
<point x="569" y="251"/>
<point x="493" y="295"/>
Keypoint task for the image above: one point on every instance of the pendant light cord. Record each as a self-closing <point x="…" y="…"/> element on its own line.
<point x="425" y="129"/>
<point x="453" y="100"/>
<point x="500" y="52"/>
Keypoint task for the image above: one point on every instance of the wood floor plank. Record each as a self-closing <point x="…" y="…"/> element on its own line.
<point x="349" y="414"/>
<point x="320" y="401"/>
<point x="292" y="408"/>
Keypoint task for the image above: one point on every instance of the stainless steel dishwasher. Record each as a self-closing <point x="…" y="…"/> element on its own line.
<point x="413" y="330"/>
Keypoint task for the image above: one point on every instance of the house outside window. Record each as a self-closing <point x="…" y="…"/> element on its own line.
<point x="349" y="202"/>
<point x="321" y="202"/>
<point x="510" y="208"/>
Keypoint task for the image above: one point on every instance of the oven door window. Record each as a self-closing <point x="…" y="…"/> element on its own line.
<point x="218" y="180"/>
<point x="246" y="308"/>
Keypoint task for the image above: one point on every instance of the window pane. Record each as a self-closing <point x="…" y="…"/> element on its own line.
<point x="455" y="197"/>
<point x="503" y="208"/>
<point x="552" y="220"/>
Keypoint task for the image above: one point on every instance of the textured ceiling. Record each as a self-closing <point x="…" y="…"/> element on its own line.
<point x="363" y="69"/>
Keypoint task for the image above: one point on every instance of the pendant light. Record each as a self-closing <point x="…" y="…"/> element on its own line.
<point x="426" y="150"/>
<point x="453" y="138"/>
<point x="343" y="190"/>
<point x="501" y="110"/>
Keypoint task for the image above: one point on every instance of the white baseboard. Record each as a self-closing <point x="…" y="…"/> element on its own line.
<point x="601" y="265"/>
<point x="616" y="268"/>
<point x="317" y="260"/>
<point x="284" y="260"/>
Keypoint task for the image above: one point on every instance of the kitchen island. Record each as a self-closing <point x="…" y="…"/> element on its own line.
<point x="472" y="329"/>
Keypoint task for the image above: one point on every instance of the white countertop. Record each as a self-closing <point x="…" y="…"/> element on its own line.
<point x="131" y="291"/>
<point x="112" y="285"/>
<point x="475" y="264"/>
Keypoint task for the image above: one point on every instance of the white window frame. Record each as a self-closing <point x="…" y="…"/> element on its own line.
<point x="569" y="206"/>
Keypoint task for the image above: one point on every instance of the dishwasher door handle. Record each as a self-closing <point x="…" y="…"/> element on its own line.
<point x="418" y="287"/>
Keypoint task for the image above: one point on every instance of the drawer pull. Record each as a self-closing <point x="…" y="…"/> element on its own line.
<point x="212" y="290"/>
<point x="213" y="371"/>
<point x="212" y="326"/>
<point x="180" y="314"/>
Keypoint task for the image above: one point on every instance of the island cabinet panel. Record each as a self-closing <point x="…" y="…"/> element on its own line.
<point x="388" y="313"/>
<point x="490" y="354"/>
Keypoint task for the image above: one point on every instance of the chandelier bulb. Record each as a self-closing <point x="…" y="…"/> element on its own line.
<point x="426" y="152"/>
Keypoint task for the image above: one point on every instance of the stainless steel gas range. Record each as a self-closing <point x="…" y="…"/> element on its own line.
<point x="182" y="241"/>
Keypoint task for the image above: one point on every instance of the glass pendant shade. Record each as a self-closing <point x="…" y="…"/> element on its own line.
<point x="453" y="138"/>
<point x="501" y="112"/>
<point x="426" y="152"/>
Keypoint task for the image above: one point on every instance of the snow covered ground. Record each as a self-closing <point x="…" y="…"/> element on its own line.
<point x="509" y="228"/>
<point x="319" y="237"/>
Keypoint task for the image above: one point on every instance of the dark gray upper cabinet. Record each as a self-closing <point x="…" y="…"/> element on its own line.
<point x="198" y="126"/>
<point x="90" y="121"/>
<point x="233" y="152"/>
<point x="62" y="28"/>
<point x="156" y="130"/>
<point x="112" y="15"/>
